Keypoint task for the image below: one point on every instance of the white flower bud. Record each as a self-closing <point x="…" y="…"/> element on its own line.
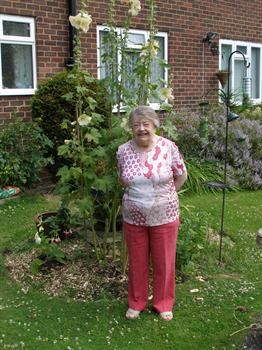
<point x="37" y="238"/>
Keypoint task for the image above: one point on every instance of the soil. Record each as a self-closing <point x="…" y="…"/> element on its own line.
<point x="80" y="278"/>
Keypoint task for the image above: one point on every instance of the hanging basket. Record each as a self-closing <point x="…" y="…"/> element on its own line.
<point x="223" y="76"/>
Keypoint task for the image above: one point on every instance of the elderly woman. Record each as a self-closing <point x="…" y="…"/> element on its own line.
<point x="151" y="170"/>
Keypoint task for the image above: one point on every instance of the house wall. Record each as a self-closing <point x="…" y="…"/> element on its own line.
<point x="192" y="64"/>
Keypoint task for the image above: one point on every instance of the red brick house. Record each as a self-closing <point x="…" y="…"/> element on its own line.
<point x="35" y="42"/>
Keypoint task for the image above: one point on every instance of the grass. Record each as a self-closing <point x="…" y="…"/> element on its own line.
<point x="207" y="313"/>
<point x="242" y="209"/>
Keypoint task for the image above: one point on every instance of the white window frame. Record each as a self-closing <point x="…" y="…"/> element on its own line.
<point x="119" y="31"/>
<point x="236" y="56"/>
<point x="9" y="39"/>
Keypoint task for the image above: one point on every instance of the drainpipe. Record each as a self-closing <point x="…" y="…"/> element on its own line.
<point x="71" y="12"/>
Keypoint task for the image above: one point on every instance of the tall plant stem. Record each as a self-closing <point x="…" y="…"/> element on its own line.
<point x="95" y="242"/>
<point x="122" y="70"/>
<point x="113" y="50"/>
<point x="145" y="77"/>
<point x="106" y="232"/>
<point x="115" y="214"/>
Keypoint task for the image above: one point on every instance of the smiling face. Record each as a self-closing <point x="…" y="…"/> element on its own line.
<point x="143" y="131"/>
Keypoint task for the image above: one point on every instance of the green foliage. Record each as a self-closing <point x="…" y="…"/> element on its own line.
<point x="23" y="152"/>
<point x="49" y="252"/>
<point x="244" y="152"/>
<point x="192" y="239"/>
<point x="168" y="127"/>
<point x="252" y="113"/>
<point x="54" y="105"/>
<point x="89" y="179"/>
<point x="136" y="86"/>
<point x="205" y="158"/>
<point x="183" y="128"/>
<point x="56" y="225"/>
<point x="91" y="183"/>
<point x="199" y="172"/>
<point x="229" y="100"/>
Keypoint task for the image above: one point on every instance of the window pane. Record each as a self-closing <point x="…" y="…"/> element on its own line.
<point x="130" y="59"/>
<point x="238" y="79"/>
<point x="108" y="61"/>
<point x="17" y="66"/>
<point x="136" y="39"/>
<point x="243" y="49"/>
<point x="255" y="72"/>
<point x="16" y="28"/>
<point x="158" y="72"/>
<point x="226" y="51"/>
<point x="104" y="49"/>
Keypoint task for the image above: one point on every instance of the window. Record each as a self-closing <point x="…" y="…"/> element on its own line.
<point x="17" y="55"/>
<point x="243" y="80"/>
<point x="135" y="41"/>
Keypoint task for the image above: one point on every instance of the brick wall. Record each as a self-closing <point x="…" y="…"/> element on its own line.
<point x="51" y="45"/>
<point x="186" y="22"/>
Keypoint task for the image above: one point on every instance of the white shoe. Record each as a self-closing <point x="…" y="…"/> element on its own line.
<point x="167" y="315"/>
<point x="132" y="314"/>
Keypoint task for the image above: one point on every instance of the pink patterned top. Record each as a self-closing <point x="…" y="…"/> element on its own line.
<point x="150" y="197"/>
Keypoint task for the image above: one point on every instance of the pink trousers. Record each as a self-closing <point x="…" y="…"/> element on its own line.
<point x="160" y="243"/>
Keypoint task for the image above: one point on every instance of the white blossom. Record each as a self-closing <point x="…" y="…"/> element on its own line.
<point x="40" y="228"/>
<point x="124" y="124"/>
<point x="134" y="6"/>
<point x="84" y="120"/>
<point x="166" y="93"/>
<point x="37" y="238"/>
<point x="153" y="46"/>
<point x="81" y="21"/>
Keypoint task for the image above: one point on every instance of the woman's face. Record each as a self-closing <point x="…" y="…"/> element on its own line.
<point x="143" y="131"/>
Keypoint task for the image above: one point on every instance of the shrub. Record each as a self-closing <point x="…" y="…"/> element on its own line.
<point x="199" y="172"/>
<point x="244" y="149"/>
<point x="192" y="239"/>
<point x="188" y="136"/>
<point x="187" y="126"/>
<point x="205" y="160"/>
<point x="23" y="148"/>
<point x="252" y="113"/>
<point x="51" y="107"/>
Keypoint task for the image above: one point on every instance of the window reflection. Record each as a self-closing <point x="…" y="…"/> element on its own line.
<point x="17" y="66"/>
<point x="16" y="28"/>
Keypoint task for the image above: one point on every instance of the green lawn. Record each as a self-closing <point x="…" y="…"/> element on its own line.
<point x="242" y="209"/>
<point x="204" y="319"/>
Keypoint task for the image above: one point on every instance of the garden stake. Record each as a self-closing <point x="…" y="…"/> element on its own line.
<point x="229" y="117"/>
